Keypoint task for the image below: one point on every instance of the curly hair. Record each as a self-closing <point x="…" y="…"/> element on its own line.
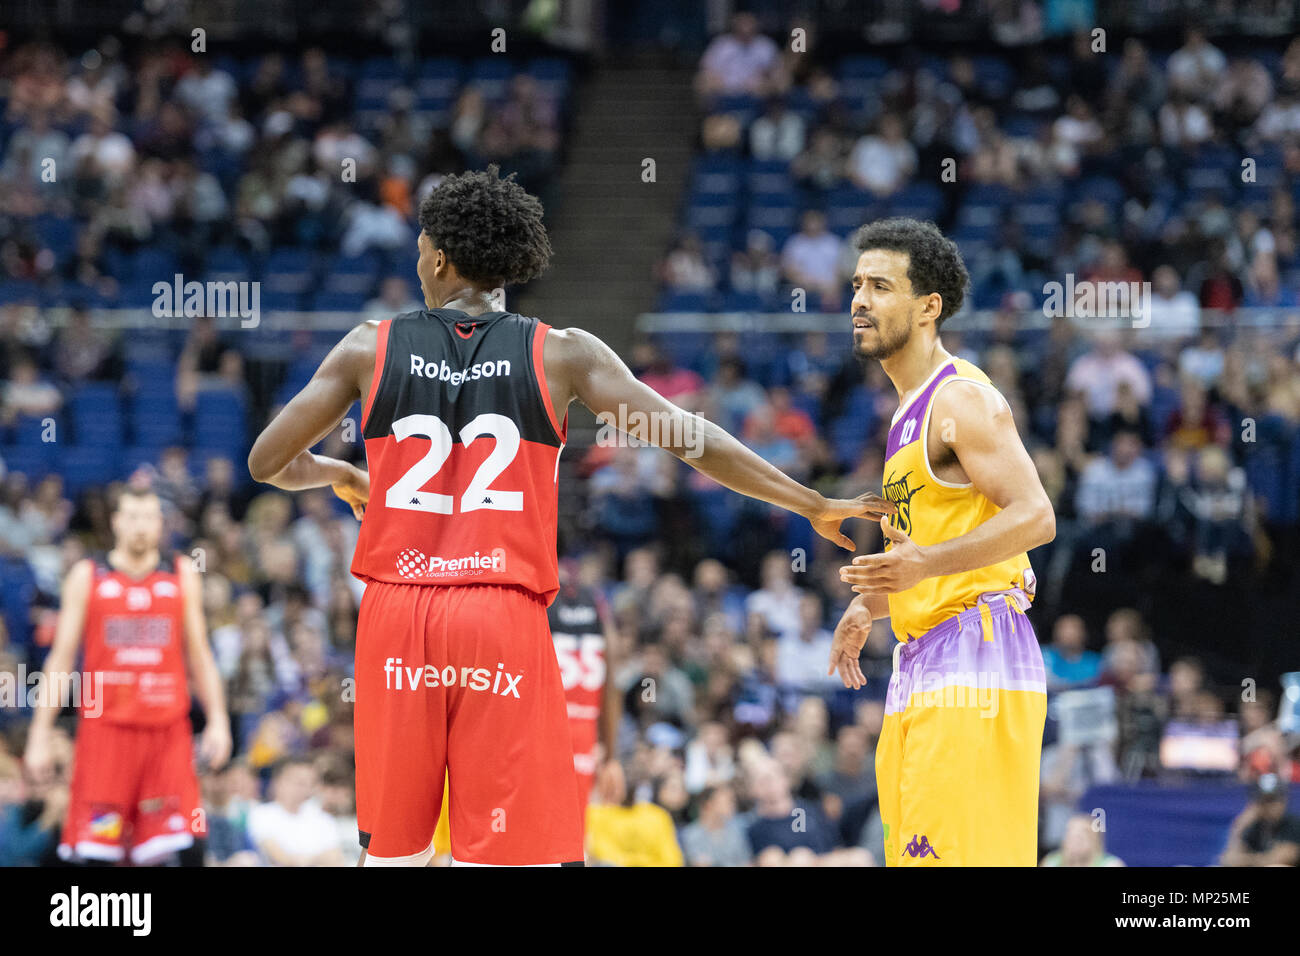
<point x="935" y="263"/>
<point x="490" y="228"/>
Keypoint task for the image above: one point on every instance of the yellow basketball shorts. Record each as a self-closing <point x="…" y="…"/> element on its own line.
<point x="957" y="763"/>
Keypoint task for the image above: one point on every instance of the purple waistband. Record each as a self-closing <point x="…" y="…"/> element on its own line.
<point x="996" y="603"/>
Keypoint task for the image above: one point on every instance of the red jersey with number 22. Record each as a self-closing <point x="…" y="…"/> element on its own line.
<point x="463" y="448"/>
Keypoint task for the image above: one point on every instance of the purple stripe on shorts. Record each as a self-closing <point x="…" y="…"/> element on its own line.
<point x="955" y="652"/>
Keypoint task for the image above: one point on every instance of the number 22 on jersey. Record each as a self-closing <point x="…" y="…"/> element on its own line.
<point x="405" y="493"/>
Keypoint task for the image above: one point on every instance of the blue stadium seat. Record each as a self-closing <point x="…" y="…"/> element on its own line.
<point x="1022" y="126"/>
<point x="226" y="264"/>
<point x="552" y="75"/>
<point x="34" y="461"/>
<point x="17" y="598"/>
<point x="917" y="201"/>
<point x="338" y="301"/>
<point x="152" y="264"/>
<point x="744" y="302"/>
<point x="994" y="76"/>
<point x="83" y="467"/>
<point x="16" y="291"/>
<point x="870" y="67"/>
<point x="705" y="216"/>
<point x="670" y="301"/>
<point x="131" y="457"/>
<point x="491" y="75"/>
<point x="352" y="274"/>
<point x="769" y="178"/>
<point x="58" y="233"/>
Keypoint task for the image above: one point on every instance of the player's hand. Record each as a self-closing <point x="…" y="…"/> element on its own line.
<point x="846" y="646"/>
<point x="354" y="489"/>
<point x="214" y="746"/>
<point x="39" y="758"/>
<point x="827" y="520"/>
<point x="901" y="567"/>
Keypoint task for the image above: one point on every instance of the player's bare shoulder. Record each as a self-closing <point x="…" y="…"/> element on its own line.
<point x="569" y="356"/>
<point x="79" y="577"/>
<point x="969" y="402"/>
<point x="354" y="356"/>
<point x="964" y="414"/>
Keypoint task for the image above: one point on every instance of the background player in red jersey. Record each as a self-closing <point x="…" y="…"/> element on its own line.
<point x="141" y="614"/>
<point x="455" y="668"/>
<point x="582" y="631"/>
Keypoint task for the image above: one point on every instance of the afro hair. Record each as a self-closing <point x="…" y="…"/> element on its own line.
<point x="490" y="228"/>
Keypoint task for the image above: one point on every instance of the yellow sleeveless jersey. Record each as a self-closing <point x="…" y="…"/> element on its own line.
<point x="931" y="510"/>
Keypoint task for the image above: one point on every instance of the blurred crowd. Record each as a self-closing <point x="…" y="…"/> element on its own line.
<point x="1111" y="163"/>
<point x="1173" y="450"/>
<point x="116" y="151"/>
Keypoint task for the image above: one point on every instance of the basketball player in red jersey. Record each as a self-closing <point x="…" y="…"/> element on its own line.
<point x="133" y="780"/>
<point x="464" y="414"/>
<point x="581" y="629"/>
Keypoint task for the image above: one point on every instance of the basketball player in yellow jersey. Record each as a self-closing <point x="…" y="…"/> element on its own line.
<point x="957" y="763"/>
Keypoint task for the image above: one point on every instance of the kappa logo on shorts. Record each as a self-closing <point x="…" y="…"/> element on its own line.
<point x="920" y="849"/>
<point x="399" y="677"/>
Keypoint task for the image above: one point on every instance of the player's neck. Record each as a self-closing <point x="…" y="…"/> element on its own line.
<point x="469" y="301"/>
<point x="909" y="369"/>
<point x="134" y="565"/>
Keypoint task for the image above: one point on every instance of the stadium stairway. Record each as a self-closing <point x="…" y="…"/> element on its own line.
<point x="608" y="227"/>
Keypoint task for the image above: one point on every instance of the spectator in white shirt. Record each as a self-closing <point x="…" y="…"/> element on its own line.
<point x="685" y="269"/>
<point x="1122" y="485"/>
<point x="885" y="161"/>
<point x="207" y="91"/>
<point x="811" y="261"/>
<point x="776" y="604"/>
<point x="103" y="151"/>
<point x="801" y="656"/>
<point x="1196" y="67"/>
<point x="1174" y="312"/>
<point x="1098" y="372"/>
<point x="742" y="61"/>
<point x="1183" y="123"/>
<point x="292" y="829"/>
<point x="777" y="134"/>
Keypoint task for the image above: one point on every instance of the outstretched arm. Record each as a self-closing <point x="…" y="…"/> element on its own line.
<point x="581" y="366"/>
<point x="280" y="455"/>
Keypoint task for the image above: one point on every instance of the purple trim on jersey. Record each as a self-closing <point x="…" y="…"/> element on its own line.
<point x="915" y="412"/>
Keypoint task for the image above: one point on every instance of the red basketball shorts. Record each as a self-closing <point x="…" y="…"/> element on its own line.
<point x="132" y="787"/>
<point x="463" y="681"/>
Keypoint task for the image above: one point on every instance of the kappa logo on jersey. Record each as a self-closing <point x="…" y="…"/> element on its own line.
<point x="441" y="371"/>
<point x="399" y="677"/>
